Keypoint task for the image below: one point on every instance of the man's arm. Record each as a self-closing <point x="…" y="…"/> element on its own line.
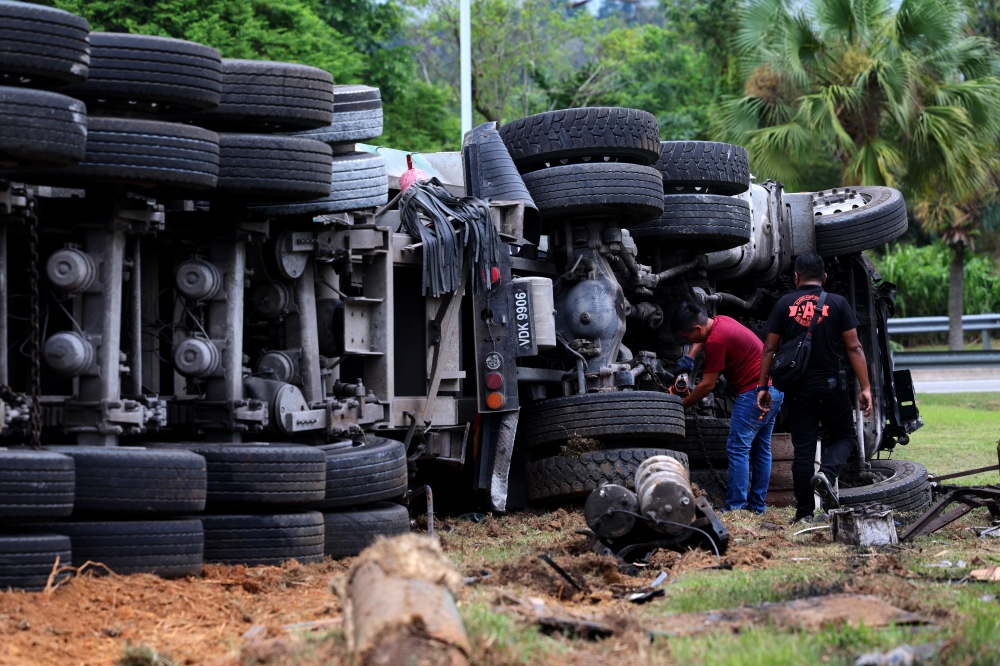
<point x="766" y="356"/>
<point x="708" y="382"/>
<point x="696" y="349"/>
<point x="856" y="354"/>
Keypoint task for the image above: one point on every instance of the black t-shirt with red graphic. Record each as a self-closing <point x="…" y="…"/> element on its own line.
<point x="793" y="313"/>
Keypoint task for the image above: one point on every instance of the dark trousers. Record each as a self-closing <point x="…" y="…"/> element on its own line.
<point x="813" y="403"/>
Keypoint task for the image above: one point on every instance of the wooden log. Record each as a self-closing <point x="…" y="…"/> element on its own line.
<point x="400" y="609"/>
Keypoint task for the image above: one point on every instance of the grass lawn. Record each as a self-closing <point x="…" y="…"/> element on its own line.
<point x="960" y="432"/>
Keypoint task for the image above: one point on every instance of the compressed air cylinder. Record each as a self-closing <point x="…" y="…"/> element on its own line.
<point x="664" y="491"/>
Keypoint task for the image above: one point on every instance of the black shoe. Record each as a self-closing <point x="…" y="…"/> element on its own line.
<point x="825" y="490"/>
<point x="807" y="518"/>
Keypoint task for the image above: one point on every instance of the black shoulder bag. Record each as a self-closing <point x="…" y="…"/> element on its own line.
<point x="792" y="358"/>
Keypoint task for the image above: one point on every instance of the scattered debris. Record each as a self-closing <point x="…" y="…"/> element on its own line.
<point x="863" y="526"/>
<point x="990" y="574"/>
<point x="651" y="591"/>
<point x="399" y="608"/>
<point x="967" y="498"/>
<point x="558" y="619"/>
<point x="583" y="587"/>
<point x="904" y="655"/>
<point x="811" y="613"/>
<point x="948" y="564"/>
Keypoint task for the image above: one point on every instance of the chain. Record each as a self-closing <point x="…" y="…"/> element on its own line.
<point x="701" y="440"/>
<point x="36" y="333"/>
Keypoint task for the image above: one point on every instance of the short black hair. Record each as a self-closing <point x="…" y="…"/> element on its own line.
<point x="810" y="266"/>
<point x="687" y="316"/>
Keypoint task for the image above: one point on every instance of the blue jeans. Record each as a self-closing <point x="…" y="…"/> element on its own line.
<point x="749" y="451"/>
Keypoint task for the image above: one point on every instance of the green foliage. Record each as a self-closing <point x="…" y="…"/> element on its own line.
<point x="421" y="119"/>
<point x="289" y="30"/>
<point x="921" y="277"/>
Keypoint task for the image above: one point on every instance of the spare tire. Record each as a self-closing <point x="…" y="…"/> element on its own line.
<point x="263" y="474"/>
<point x="145" y="153"/>
<point x="42" y="46"/>
<point x="269" y="540"/>
<point x="350" y="531"/>
<point x="264" y="96"/>
<point x="704" y="167"/>
<point x="27" y="560"/>
<point x="132" y="480"/>
<point x="612" y="416"/>
<point x="40" y="129"/>
<point x="168" y="548"/>
<point x="904" y="488"/>
<point x="161" y="73"/>
<point x="35" y="484"/>
<point x="592" y="134"/>
<point x="287" y="168"/>
<point x="562" y="478"/>
<point x="858" y="218"/>
<point x="358" y="181"/>
<point x="628" y="194"/>
<point x="357" y="116"/>
<point x="362" y="473"/>
<point x="707" y="222"/>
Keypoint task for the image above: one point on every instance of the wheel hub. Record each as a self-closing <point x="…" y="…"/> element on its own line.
<point x="839" y="200"/>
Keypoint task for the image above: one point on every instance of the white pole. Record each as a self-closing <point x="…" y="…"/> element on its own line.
<point x="465" y="56"/>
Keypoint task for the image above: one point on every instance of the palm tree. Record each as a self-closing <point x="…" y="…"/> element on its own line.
<point x="898" y="96"/>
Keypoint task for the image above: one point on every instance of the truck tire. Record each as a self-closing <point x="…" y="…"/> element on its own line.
<point x="905" y="487"/>
<point x="609" y="417"/>
<point x="594" y="134"/>
<point x="264" y="96"/>
<point x="358" y="181"/>
<point x="161" y="73"/>
<point x="704" y="167"/>
<point x="130" y="480"/>
<point x="629" y="194"/>
<point x="708" y="222"/>
<point x="262" y="474"/>
<point x="286" y="168"/>
<point x="563" y="478"/>
<point x="351" y="531"/>
<point x="846" y="224"/>
<point x="373" y="471"/>
<point x="35" y="484"/>
<point x="357" y="116"/>
<point x="42" y="46"/>
<point x="168" y="548"/>
<point x="40" y="129"/>
<point x="26" y="560"/>
<point x="254" y="540"/>
<point x="710" y="433"/>
<point x="144" y="153"/>
<point x="709" y="484"/>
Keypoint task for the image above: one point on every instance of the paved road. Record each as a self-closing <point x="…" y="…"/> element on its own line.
<point x="958" y="386"/>
<point x="956" y="380"/>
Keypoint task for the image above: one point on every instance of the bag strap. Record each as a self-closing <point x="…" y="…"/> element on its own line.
<point x="816" y="314"/>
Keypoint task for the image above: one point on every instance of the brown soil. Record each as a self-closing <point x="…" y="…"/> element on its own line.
<point x="91" y="619"/>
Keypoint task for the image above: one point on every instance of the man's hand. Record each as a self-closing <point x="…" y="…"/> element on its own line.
<point x="866" y="401"/>
<point x="764" y="400"/>
<point x="685" y="364"/>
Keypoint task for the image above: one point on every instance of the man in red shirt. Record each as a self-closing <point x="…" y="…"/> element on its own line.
<point x="732" y="348"/>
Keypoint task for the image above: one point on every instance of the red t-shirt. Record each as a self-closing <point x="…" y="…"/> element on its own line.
<point x="733" y="348"/>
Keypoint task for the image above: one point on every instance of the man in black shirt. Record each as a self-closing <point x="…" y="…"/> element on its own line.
<point x="822" y="395"/>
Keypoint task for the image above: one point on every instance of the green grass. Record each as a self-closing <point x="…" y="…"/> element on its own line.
<point x="960" y="432"/>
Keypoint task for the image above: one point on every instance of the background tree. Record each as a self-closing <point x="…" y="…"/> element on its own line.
<point x="898" y="96"/>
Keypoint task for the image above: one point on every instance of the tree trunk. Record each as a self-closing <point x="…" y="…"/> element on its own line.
<point x="956" y="276"/>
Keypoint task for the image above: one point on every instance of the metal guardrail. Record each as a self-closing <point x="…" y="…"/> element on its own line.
<point x="978" y="322"/>
<point x="946" y="359"/>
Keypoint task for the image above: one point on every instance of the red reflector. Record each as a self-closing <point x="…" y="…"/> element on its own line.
<point x="494" y="381"/>
<point x="494" y="274"/>
<point x="495" y="400"/>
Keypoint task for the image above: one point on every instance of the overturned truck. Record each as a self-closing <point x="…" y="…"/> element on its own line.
<point x="204" y="256"/>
